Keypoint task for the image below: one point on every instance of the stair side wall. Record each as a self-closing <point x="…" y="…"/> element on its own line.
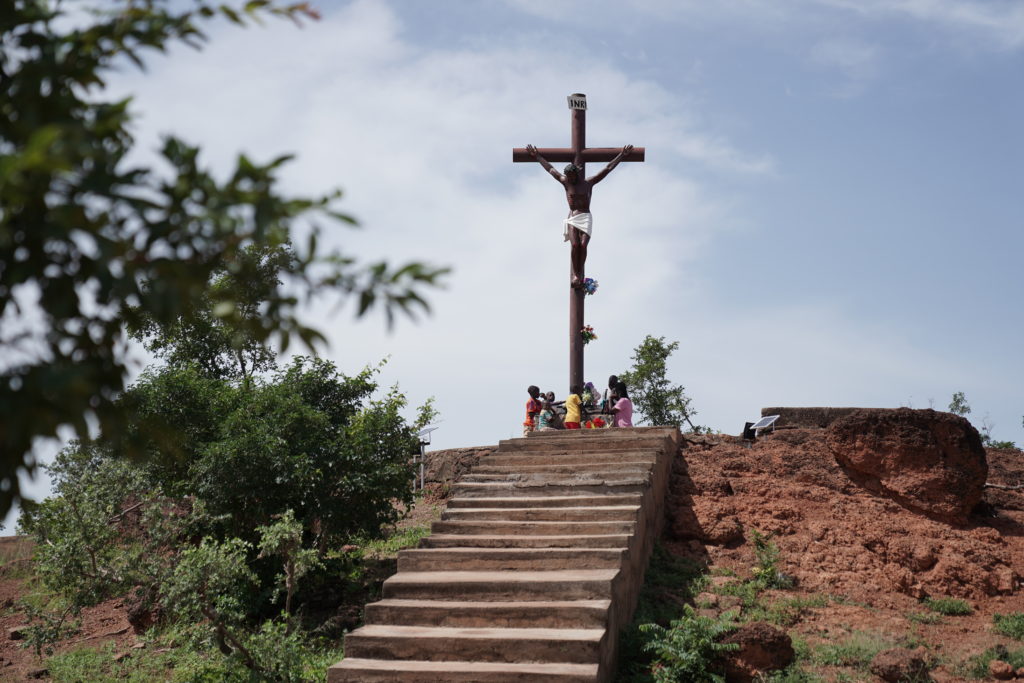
<point x="651" y="522"/>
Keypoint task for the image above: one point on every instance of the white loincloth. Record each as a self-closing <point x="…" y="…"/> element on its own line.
<point x="581" y="221"/>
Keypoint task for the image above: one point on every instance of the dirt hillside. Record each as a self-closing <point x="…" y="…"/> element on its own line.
<point x="866" y="549"/>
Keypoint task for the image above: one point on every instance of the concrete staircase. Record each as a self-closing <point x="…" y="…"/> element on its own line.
<point x="534" y="567"/>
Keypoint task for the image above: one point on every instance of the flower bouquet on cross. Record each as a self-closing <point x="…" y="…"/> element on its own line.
<point x="587" y="333"/>
<point x="589" y="285"/>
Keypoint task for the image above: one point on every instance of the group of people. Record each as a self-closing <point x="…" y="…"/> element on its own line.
<point x="543" y="413"/>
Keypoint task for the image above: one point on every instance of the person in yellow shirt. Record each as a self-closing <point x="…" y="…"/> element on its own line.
<point x="572" y="408"/>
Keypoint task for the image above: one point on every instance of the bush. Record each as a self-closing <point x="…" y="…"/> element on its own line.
<point x="1010" y="625"/>
<point x="950" y="607"/>
<point x="766" y="571"/>
<point x="689" y="649"/>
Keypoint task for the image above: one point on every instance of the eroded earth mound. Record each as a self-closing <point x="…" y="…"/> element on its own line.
<point x="839" y="534"/>
<point x="873" y="516"/>
<point x="924" y="460"/>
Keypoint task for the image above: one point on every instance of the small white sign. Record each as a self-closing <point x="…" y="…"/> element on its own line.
<point x="577" y="101"/>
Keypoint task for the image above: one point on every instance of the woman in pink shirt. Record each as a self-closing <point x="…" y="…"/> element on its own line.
<point x="622" y="408"/>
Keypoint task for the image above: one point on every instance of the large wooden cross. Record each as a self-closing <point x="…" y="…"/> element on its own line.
<point x="578" y="195"/>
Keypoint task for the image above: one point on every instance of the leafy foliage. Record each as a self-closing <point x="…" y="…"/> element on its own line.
<point x="669" y="582"/>
<point x="766" y="571"/>
<point x="272" y="473"/>
<point x="958" y="405"/>
<point x="689" y="649"/>
<point x="89" y="243"/>
<point x="657" y="400"/>
<point x="1010" y="625"/>
<point x="284" y="538"/>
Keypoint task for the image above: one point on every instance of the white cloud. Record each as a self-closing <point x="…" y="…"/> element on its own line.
<point x="421" y="141"/>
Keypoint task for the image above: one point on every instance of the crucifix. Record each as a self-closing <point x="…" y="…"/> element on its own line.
<point x="578" y="226"/>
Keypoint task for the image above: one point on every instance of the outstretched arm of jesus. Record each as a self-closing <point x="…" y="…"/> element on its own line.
<point x="532" y="151"/>
<point x="611" y="164"/>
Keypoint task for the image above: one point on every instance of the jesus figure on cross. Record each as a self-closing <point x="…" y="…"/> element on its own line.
<point x="579" y="224"/>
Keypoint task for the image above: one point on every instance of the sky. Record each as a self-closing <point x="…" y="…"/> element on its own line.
<point x="830" y="211"/>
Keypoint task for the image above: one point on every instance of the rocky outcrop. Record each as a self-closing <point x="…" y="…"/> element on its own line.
<point x="900" y="664"/>
<point x="447" y="466"/>
<point x="762" y="648"/>
<point x="926" y="461"/>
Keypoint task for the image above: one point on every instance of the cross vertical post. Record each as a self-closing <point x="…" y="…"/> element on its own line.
<point x="576" y="295"/>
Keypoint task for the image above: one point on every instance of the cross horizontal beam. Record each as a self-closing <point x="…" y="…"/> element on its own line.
<point x="590" y="154"/>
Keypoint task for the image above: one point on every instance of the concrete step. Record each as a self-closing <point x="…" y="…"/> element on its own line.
<point x="545" y="502"/>
<point x="472" y="489"/>
<point x="571" y="468"/>
<point x="526" y="458"/>
<point x="606" y="513"/>
<point x="607" y="435"/>
<point x="506" y="528"/>
<point x="609" y="472"/>
<point x="409" y="671"/>
<point x="454" y="613"/>
<point x="500" y="559"/>
<point x="499" y="541"/>
<point x="567" y="584"/>
<point x="439" y="643"/>
<point x="572" y="441"/>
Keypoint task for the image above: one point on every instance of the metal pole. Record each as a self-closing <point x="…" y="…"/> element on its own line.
<point x="423" y="457"/>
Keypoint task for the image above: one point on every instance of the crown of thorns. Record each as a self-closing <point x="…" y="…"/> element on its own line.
<point x="571" y="168"/>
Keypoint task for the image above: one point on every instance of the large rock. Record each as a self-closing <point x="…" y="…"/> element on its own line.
<point x="899" y="664"/>
<point x="445" y="467"/>
<point x="926" y="461"/>
<point x="762" y="648"/>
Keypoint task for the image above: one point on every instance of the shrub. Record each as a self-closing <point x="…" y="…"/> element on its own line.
<point x="1010" y="625"/>
<point x="668" y="583"/>
<point x="766" y="571"/>
<point x="950" y="607"/>
<point x="689" y="649"/>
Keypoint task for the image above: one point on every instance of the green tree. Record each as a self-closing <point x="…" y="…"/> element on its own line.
<point x="89" y="243"/>
<point x="958" y="405"/>
<point x="655" y="398"/>
<point x="220" y="347"/>
<point x="272" y="472"/>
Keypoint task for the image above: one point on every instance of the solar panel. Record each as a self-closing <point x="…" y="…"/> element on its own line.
<point x="764" y="423"/>
<point x="424" y="434"/>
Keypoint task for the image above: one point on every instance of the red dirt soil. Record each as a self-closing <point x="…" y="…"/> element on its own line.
<point x="102" y="624"/>
<point x="837" y="538"/>
<point x="876" y="557"/>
